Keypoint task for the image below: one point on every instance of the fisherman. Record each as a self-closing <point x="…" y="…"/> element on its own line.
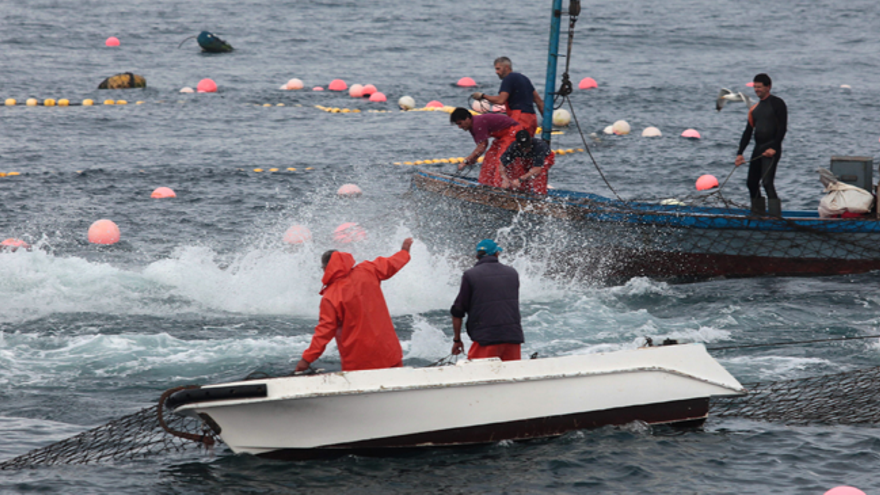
<point x="126" y="80"/>
<point x="482" y="127"/>
<point x="489" y="295"/>
<point x="354" y="311"/>
<point x="518" y="93"/>
<point x="769" y="120"/>
<point x="526" y="163"/>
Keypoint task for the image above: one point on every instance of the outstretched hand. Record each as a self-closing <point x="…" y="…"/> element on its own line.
<point x="302" y="365"/>
<point x="407" y="243"/>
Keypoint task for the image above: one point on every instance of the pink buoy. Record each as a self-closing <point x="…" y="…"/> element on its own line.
<point x="104" y="232"/>
<point x="378" y="97"/>
<point x="349" y="191"/>
<point x="163" y="192"/>
<point x="337" y="85"/>
<point x="466" y="82"/>
<point x="844" y="490"/>
<point x="207" y="86"/>
<point x="12" y="244"/>
<point x="297" y="234"/>
<point x="750" y="84"/>
<point x="317" y="88"/>
<point x="368" y="90"/>
<point x="356" y="90"/>
<point x="499" y="108"/>
<point x="690" y="133"/>
<point x="349" y="232"/>
<point x="433" y="104"/>
<point x="293" y="84"/>
<point x="706" y="182"/>
<point x="112" y="41"/>
<point x="587" y="83"/>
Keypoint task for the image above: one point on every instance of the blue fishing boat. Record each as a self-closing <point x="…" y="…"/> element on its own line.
<point x="611" y="239"/>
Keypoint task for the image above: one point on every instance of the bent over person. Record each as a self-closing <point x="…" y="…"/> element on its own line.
<point x="354" y="312"/>
<point x="482" y="127"/>
<point x="489" y="296"/>
<point x="526" y="163"/>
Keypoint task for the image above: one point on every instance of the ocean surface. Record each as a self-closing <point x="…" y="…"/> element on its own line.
<point x="201" y="288"/>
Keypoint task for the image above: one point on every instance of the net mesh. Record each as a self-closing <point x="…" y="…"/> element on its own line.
<point x="130" y="437"/>
<point x="852" y="397"/>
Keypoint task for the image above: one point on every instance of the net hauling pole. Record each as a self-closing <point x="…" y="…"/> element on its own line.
<point x="550" y="83"/>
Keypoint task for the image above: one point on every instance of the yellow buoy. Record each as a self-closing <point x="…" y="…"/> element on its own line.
<point x="63" y="102"/>
<point x="121" y="102"/>
<point x="109" y="102"/>
<point x="138" y="103"/>
<point x="291" y="169"/>
<point x="48" y="102"/>
<point x="273" y="170"/>
<point x="2" y="174"/>
<point x="407" y="163"/>
<point x="310" y="168"/>
<point x="356" y="110"/>
<point x="570" y="150"/>
<point x="258" y="170"/>
<point x="87" y="102"/>
<point x="10" y="102"/>
<point x="479" y="160"/>
<point x="31" y="102"/>
<point x="10" y="174"/>
<point x="267" y="104"/>
<point x="279" y="105"/>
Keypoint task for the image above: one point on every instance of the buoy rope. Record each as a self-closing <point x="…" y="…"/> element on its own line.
<point x="204" y="438"/>
<point x="587" y="147"/>
<point x="780" y="344"/>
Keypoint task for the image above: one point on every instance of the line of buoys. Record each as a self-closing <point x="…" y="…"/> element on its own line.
<point x="460" y="159"/>
<point x="288" y="169"/>
<point x="63" y="102"/>
<point x="337" y="109"/>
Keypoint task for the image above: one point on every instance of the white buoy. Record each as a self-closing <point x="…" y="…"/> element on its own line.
<point x="621" y="128"/>
<point x="608" y="130"/>
<point x="187" y="90"/>
<point x="294" y="84"/>
<point x="561" y="117"/>
<point x="406" y="103"/>
<point x="651" y="132"/>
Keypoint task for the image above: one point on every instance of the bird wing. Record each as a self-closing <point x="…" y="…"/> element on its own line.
<point x="720" y="101"/>
<point x="746" y="99"/>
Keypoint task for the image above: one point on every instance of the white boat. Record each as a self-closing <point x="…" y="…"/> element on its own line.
<point x="472" y="402"/>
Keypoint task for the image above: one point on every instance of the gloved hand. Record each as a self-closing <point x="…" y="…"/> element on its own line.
<point x="477" y="96"/>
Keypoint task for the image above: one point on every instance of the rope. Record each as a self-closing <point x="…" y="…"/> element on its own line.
<point x="779" y="344"/>
<point x="204" y="438"/>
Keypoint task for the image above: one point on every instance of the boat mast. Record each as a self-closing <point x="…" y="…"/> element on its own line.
<point x="550" y="83"/>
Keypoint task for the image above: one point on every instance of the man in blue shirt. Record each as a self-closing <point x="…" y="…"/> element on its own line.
<point x="517" y="93"/>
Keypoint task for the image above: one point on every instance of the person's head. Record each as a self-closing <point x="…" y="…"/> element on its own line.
<point x="487" y="247"/>
<point x="762" y="85"/>
<point x="325" y="258"/>
<point x="462" y="118"/>
<point x="524" y="141"/>
<point x="503" y="67"/>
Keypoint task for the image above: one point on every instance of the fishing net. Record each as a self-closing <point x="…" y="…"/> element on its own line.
<point x="846" y="398"/>
<point x="130" y="437"/>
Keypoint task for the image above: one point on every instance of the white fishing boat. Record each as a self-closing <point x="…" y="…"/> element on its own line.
<point x="471" y="402"/>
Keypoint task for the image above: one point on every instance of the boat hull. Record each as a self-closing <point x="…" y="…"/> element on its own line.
<point x="476" y="402"/>
<point x="611" y="240"/>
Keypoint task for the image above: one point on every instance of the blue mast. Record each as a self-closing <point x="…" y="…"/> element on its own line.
<point x="550" y="83"/>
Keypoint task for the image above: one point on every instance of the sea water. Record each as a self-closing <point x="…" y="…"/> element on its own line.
<point x="201" y="289"/>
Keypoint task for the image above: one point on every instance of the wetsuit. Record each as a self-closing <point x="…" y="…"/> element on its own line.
<point x="769" y="121"/>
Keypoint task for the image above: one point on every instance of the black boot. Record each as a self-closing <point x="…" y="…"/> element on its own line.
<point x="774" y="207"/>
<point x="758" y="206"/>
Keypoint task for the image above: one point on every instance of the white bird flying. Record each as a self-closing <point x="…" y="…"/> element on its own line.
<point x="726" y="95"/>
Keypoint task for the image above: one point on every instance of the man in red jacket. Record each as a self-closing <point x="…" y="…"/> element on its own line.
<point x="353" y="310"/>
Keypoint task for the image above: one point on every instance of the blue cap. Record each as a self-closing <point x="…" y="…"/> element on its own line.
<point x="488" y="247"/>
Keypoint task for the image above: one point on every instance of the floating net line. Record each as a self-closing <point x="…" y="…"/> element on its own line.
<point x="131" y="437"/>
<point x="851" y="397"/>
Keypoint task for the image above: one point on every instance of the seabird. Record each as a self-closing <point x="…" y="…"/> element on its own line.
<point x="726" y="95"/>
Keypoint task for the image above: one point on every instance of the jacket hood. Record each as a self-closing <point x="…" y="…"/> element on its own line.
<point x="340" y="265"/>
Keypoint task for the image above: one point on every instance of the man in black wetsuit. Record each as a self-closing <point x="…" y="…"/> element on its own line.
<point x="769" y="120"/>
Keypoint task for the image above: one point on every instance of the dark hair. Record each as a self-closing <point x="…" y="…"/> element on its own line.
<point x="325" y="258"/>
<point x="763" y="79"/>
<point x="459" y="114"/>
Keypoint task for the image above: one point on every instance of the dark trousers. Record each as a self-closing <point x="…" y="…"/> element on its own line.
<point x="763" y="168"/>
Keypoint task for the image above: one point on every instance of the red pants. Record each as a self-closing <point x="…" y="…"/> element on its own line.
<point x="529" y="121"/>
<point x="490" y="174"/>
<point x="507" y="352"/>
<point x="538" y="183"/>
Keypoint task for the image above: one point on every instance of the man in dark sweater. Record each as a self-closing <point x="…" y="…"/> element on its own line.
<point x="489" y="295"/>
<point x="769" y="121"/>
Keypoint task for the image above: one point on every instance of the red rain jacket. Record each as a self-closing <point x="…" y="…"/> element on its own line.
<point x="353" y="310"/>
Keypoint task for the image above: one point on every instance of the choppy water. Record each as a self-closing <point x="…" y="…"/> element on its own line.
<point x="201" y="289"/>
